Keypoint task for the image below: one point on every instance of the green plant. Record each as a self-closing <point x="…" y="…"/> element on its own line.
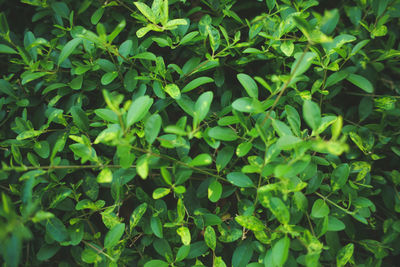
<point x="199" y="133"/>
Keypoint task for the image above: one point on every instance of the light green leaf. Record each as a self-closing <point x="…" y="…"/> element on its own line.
<point x="344" y="255"/>
<point x="288" y="142"/>
<point x="240" y="179"/>
<point x="214" y="191"/>
<point x="243" y="149"/>
<point x="114" y="235"/>
<point x="107" y="115"/>
<point x="339" y="176"/>
<point x="146" y="11"/>
<point x="210" y="237"/>
<point x="311" y="114"/>
<point x="201" y="160"/>
<point x="156" y="263"/>
<point x="105" y="176"/>
<point x="280" y="252"/>
<point x="279" y="209"/>
<point x="222" y="133"/>
<point x="68" y="49"/>
<point x="302" y="63"/>
<point x="184" y="233"/>
<point x="202" y="106"/>
<point x="173" y="24"/>
<point x="161" y="192"/>
<point x="320" y="209"/>
<point x="7" y="50"/>
<point x="173" y="91"/>
<point x="249" y="84"/>
<point x="156" y="226"/>
<point x="137" y="214"/>
<point x="152" y="128"/>
<point x="361" y="82"/>
<point x="108" y="77"/>
<point x="250" y="222"/>
<point x="138" y="109"/>
<point x="196" y="83"/>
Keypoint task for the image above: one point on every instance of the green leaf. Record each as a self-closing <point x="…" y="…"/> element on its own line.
<point x="280" y="252"/>
<point x="250" y="222"/>
<point x="7" y="50"/>
<point x="68" y="49"/>
<point x="29" y="77"/>
<point x="243" y="149"/>
<point x="219" y="262"/>
<point x="146" y="11"/>
<point x="293" y="118"/>
<point x="287" y="48"/>
<point x="156" y="263"/>
<point x="55" y="228"/>
<point x="146" y="55"/>
<point x="4" y="29"/>
<point x="173" y="91"/>
<point x="156" y="226"/>
<point x="223" y="157"/>
<point x="188" y="37"/>
<point x="334" y="224"/>
<point x="109" y="77"/>
<point x="138" y="109"/>
<point x="182" y="253"/>
<point x="311" y="114"/>
<point x="339" y="176"/>
<point x="288" y="142"/>
<point x="247" y="105"/>
<point x="302" y="63"/>
<point x="184" y="233"/>
<point x="161" y="192"/>
<point x="107" y="115"/>
<point x="152" y="128"/>
<point x="80" y="118"/>
<point x="105" y="176"/>
<point x="95" y="18"/>
<point x="137" y="214"/>
<point x="344" y="255"/>
<point x="173" y="24"/>
<point x="361" y="82"/>
<point x="281" y="128"/>
<point x="214" y="191"/>
<point x="201" y="160"/>
<point x="210" y="237"/>
<point x="320" y="209"/>
<point x="279" y="209"/>
<point x="46" y="252"/>
<point x="197" y="83"/>
<point x="202" y="106"/>
<point x="249" y="84"/>
<point x="42" y="148"/>
<point x="114" y="235"/>
<point x="222" y="133"/>
<point x="240" y="179"/>
<point x="242" y="254"/>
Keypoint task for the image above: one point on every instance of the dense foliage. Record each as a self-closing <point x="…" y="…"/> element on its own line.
<point x="199" y="133"/>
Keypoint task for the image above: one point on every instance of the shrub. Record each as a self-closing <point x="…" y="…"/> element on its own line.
<point x="192" y="133"/>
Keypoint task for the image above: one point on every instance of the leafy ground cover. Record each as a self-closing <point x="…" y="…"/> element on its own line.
<point x="199" y="133"/>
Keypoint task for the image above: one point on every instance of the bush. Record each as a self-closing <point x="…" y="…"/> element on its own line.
<point x="192" y="133"/>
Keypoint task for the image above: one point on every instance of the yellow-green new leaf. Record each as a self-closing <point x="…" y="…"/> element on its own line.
<point x="146" y="11"/>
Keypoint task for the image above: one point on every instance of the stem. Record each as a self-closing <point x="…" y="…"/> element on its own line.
<point x="267" y="116"/>
<point x="98" y="250"/>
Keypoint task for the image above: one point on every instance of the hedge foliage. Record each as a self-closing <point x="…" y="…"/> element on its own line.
<point x="199" y="133"/>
